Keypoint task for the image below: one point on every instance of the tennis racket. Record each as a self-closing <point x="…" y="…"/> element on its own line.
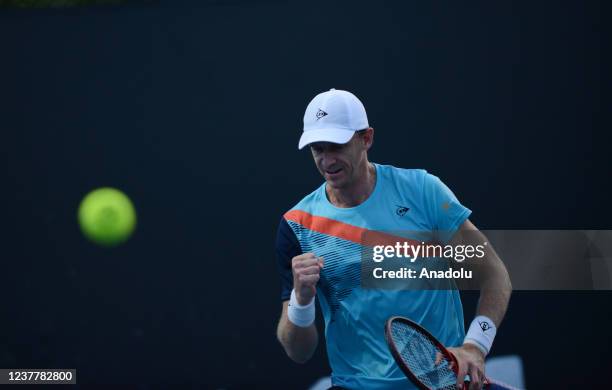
<point x="424" y="360"/>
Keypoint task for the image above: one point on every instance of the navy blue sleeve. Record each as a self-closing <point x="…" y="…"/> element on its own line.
<point x="287" y="247"/>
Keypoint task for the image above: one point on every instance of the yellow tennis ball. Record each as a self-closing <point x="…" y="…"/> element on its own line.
<point x="107" y="216"/>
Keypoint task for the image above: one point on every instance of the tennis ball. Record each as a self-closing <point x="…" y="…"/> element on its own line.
<point x="107" y="216"/>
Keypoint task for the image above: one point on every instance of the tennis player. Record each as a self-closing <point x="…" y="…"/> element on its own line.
<point x="319" y="252"/>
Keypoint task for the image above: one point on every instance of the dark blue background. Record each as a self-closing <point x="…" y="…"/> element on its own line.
<point x="194" y="109"/>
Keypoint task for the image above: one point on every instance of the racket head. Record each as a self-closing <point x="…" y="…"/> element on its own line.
<point x="415" y="349"/>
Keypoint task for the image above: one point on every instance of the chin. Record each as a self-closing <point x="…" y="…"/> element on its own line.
<point x="337" y="184"/>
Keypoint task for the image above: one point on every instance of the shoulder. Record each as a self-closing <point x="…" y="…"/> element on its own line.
<point x="287" y="243"/>
<point x="416" y="178"/>
<point x="403" y="179"/>
<point x="417" y="187"/>
<point x="402" y="175"/>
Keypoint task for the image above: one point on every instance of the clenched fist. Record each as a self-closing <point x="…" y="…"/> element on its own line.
<point x="306" y="270"/>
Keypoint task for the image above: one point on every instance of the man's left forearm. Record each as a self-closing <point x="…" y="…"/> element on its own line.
<point x="495" y="291"/>
<point x="491" y="275"/>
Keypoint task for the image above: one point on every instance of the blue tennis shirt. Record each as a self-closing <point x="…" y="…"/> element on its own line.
<point x="402" y="200"/>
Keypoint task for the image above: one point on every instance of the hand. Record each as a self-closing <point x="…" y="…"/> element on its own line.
<point x="470" y="360"/>
<point x="306" y="269"/>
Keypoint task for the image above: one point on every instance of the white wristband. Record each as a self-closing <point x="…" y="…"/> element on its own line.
<point x="481" y="333"/>
<point x="300" y="315"/>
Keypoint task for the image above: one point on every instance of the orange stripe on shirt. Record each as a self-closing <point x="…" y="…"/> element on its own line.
<point x="342" y="230"/>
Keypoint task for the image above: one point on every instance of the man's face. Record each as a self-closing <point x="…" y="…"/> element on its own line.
<point x="338" y="163"/>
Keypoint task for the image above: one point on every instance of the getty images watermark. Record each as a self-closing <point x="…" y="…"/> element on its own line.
<point x="535" y="259"/>
<point x="412" y="252"/>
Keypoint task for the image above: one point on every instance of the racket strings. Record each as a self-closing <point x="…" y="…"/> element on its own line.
<point x="419" y="353"/>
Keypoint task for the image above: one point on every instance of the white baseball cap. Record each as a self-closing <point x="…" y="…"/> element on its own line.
<point x="333" y="116"/>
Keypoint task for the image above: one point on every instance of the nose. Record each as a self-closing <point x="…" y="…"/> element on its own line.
<point x="328" y="159"/>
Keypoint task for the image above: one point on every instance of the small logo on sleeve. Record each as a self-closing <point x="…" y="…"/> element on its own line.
<point x="401" y="210"/>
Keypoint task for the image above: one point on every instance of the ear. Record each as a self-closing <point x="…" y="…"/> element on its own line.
<point x="368" y="138"/>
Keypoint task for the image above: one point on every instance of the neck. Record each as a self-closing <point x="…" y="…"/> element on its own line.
<point x="357" y="192"/>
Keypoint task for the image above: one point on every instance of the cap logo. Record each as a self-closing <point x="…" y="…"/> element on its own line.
<point x="321" y="114"/>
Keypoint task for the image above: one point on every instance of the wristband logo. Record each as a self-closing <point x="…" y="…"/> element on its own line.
<point x="484" y="325"/>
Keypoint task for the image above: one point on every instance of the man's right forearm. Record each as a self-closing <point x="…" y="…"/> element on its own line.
<point x="299" y="343"/>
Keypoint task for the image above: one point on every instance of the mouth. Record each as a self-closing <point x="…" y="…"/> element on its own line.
<point x="333" y="172"/>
